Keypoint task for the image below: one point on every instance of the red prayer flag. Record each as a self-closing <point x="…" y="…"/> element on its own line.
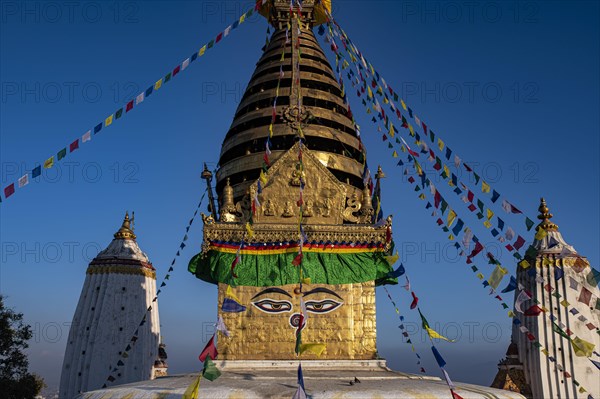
<point x="297" y="260"/>
<point x="129" y="106"/>
<point x="455" y="395"/>
<point x="470" y="196"/>
<point x="219" y="37"/>
<point x="472" y="208"/>
<point x="585" y="296"/>
<point x="209" y="350"/>
<point x="9" y="190"/>
<point x="415" y="301"/>
<point x="519" y="243"/>
<point x="437" y="199"/>
<point x="534" y="310"/>
<point x="176" y="70"/>
<point x="467" y="167"/>
<point x="74" y="145"/>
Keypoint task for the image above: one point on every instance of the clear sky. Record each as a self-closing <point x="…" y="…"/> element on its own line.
<point x="512" y="87"/>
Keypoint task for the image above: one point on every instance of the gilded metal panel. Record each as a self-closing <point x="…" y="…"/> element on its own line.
<point x="348" y="331"/>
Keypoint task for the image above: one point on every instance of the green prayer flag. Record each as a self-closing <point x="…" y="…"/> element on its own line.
<point x="119" y="113"/>
<point x="598" y="304"/>
<point x="560" y="331"/>
<point x="168" y="77"/>
<point x="210" y="371"/>
<point x="593" y="277"/>
<point x="476" y="178"/>
<point x="61" y="154"/>
<point x="528" y="223"/>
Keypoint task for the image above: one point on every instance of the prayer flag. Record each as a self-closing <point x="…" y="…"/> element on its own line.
<point x="23" y="180"/>
<point x="317" y="349"/>
<point x="231" y="306"/>
<point x="36" y="171"/>
<point x="582" y="348"/>
<point x="209" y="350"/>
<point x="438" y="357"/>
<point x="210" y="370"/>
<point x="48" y="163"/>
<point x="9" y="190"/>
<point x="74" y="145"/>
<point x="192" y="391"/>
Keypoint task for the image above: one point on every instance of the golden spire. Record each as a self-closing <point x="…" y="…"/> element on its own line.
<point x="126" y="230"/>
<point x="545" y="217"/>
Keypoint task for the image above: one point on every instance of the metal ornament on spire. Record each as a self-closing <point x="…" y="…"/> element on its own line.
<point x="545" y="217"/>
<point x="126" y="230"/>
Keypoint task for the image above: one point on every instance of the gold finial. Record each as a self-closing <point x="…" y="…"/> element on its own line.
<point x="380" y="174"/>
<point x="126" y="230"/>
<point x="545" y="217"/>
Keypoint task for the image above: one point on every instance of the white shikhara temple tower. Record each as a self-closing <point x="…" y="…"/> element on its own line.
<point x="564" y="288"/>
<point x="119" y="287"/>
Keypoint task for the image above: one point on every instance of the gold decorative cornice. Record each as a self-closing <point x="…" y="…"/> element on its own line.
<point x="545" y="217"/>
<point x="266" y="232"/>
<point x="121" y="269"/>
<point x="126" y="230"/>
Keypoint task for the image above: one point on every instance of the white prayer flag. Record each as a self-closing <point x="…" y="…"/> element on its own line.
<point x="24" y="180"/>
<point x="140" y="98"/>
<point x="522" y="298"/>
<point x="185" y="64"/>
<point x="87" y="136"/>
<point x="510" y="234"/>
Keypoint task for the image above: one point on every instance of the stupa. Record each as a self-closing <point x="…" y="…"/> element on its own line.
<point x="119" y="287"/>
<point x="563" y="287"/>
<point x="298" y="242"/>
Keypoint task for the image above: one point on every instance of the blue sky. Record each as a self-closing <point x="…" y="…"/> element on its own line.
<point x="512" y="87"/>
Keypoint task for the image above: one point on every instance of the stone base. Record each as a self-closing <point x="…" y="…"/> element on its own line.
<point x="268" y="381"/>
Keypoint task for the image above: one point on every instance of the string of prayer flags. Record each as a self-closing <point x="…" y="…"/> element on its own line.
<point x="495" y="196"/>
<point x="9" y="190"/>
<point x="405" y="333"/>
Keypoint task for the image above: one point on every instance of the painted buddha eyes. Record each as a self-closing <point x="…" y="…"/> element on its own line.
<point x="273" y="306"/>
<point x="324" y="306"/>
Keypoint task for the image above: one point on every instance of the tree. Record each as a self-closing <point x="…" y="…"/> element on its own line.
<point x="15" y="380"/>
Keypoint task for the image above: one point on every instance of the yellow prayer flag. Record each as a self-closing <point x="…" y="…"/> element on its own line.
<point x="385" y="100"/>
<point x="489" y="214"/>
<point x="403" y="105"/>
<point x="541" y="233"/>
<point x="108" y="121"/>
<point x="447" y="173"/>
<point x="391" y="259"/>
<point x="249" y="230"/>
<point x="434" y="334"/>
<point x="317" y="349"/>
<point x="422" y="196"/>
<point x="511" y="314"/>
<point x="392" y="131"/>
<point x="440" y="144"/>
<point x="192" y="391"/>
<point x="487" y="224"/>
<point x="582" y="348"/>
<point x="418" y="166"/>
<point x="242" y="18"/>
<point x="524" y="264"/>
<point x="369" y="92"/>
<point x="485" y="187"/>
<point x="395" y="154"/>
<point x="497" y="276"/>
<point x="451" y="237"/>
<point x="480" y="276"/>
<point x="451" y="217"/>
<point x="229" y="294"/>
<point x="545" y="352"/>
<point x="48" y="163"/>
<point x="306" y="281"/>
<point x="412" y="131"/>
<point x="201" y="51"/>
<point x="565" y="303"/>
<point x="263" y="177"/>
<point x="158" y="84"/>
<point x="582" y="390"/>
<point x="271" y="130"/>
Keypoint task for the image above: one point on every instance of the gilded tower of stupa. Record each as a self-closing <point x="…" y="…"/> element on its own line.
<point x="295" y="239"/>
